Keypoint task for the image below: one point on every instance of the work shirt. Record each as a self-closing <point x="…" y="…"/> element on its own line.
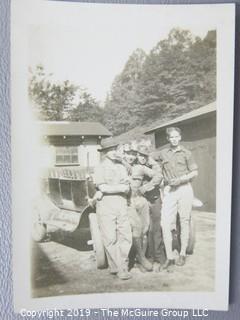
<point x="112" y="214"/>
<point x="111" y="173"/>
<point x="145" y="178"/>
<point x="176" y="163"/>
<point x="150" y="182"/>
<point x="138" y="172"/>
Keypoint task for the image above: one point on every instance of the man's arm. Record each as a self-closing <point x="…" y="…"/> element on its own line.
<point x="188" y="177"/>
<point x="158" y="175"/>
<point x="111" y="189"/>
<point x="183" y="179"/>
<point x="104" y="187"/>
<point x="155" y="174"/>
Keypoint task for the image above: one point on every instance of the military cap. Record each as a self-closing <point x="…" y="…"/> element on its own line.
<point x="127" y="148"/>
<point x="143" y="150"/>
<point x="107" y="145"/>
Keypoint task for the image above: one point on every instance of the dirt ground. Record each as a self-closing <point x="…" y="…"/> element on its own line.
<point x="60" y="269"/>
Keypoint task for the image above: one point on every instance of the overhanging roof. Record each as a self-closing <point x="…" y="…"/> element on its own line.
<point x="73" y="128"/>
<point x="186" y="117"/>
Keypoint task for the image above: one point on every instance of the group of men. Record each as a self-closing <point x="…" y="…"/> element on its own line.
<point x="137" y="200"/>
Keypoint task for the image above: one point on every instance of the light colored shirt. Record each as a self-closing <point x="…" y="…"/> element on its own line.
<point x="111" y="173"/>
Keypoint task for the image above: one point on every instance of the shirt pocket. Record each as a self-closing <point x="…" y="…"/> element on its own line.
<point x="182" y="163"/>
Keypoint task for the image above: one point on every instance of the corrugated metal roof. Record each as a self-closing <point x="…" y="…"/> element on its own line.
<point x="61" y="128"/>
<point x="187" y="116"/>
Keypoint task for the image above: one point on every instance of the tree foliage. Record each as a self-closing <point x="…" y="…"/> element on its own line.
<point x="51" y="101"/>
<point x="178" y="75"/>
<point x="122" y="103"/>
<point x="87" y="109"/>
<point x="60" y="101"/>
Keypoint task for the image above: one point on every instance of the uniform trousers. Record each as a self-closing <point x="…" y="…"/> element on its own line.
<point x="156" y="249"/>
<point x="176" y="200"/>
<point x="138" y="212"/>
<point x="115" y="229"/>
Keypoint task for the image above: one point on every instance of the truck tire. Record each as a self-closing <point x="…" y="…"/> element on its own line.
<point x="97" y="241"/>
<point x="192" y="237"/>
<point x="39" y="231"/>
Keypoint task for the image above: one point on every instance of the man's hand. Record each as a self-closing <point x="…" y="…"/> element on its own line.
<point x="166" y="190"/>
<point x="92" y="202"/>
<point x="112" y="189"/>
<point x="98" y="195"/>
<point x="174" y="182"/>
<point x="146" y="188"/>
<point x="135" y="192"/>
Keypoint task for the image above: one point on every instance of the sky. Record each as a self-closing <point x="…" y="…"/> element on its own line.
<point x="90" y="44"/>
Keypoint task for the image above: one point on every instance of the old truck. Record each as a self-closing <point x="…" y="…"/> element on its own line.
<point x="63" y="206"/>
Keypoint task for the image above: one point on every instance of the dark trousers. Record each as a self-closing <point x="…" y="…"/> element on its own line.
<point x="156" y="249"/>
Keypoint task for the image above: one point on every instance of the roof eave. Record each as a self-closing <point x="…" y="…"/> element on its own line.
<point x="174" y="122"/>
<point x="76" y="135"/>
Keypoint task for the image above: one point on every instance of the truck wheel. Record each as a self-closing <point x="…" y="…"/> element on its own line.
<point x="192" y="237"/>
<point x="39" y="231"/>
<point x="97" y="241"/>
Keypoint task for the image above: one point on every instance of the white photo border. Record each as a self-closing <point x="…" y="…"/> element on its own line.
<point x="28" y="12"/>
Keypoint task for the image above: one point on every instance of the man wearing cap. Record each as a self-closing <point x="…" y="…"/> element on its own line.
<point x="112" y="181"/>
<point x="151" y="190"/>
<point x="179" y="168"/>
<point x="138" y="208"/>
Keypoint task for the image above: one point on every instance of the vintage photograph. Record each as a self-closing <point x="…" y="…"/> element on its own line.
<point x="122" y="109"/>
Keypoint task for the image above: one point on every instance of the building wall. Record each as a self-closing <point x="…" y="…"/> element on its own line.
<point x="87" y="149"/>
<point x="88" y="155"/>
<point x="199" y="135"/>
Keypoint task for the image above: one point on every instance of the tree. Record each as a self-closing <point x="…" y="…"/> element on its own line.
<point x="60" y="101"/>
<point x="178" y="75"/>
<point x="164" y="75"/>
<point x="87" y="109"/>
<point x="121" y="106"/>
<point x="51" y="101"/>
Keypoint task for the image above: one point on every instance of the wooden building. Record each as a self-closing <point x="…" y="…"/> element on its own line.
<point x="199" y="135"/>
<point x="69" y="144"/>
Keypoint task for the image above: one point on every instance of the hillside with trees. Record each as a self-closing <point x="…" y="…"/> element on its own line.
<point x="177" y="76"/>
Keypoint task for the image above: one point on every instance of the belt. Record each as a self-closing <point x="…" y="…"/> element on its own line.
<point x="123" y="195"/>
<point x="139" y="179"/>
<point x="180" y="185"/>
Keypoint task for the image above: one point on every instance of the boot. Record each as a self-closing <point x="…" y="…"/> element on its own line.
<point x="181" y="261"/>
<point x="137" y="244"/>
<point x="124" y="275"/>
<point x="168" y="265"/>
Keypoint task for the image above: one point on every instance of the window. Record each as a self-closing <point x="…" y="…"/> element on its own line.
<point x="66" y="155"/>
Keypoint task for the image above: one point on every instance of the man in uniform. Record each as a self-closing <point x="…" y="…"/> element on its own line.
<point x="151" y="191"/>
<point x="112" y="181"/>
<point x="179" y="169"/>
<point x="138" y="207"/>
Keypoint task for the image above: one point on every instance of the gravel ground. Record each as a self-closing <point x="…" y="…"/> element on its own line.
<point x="62" y="269"/>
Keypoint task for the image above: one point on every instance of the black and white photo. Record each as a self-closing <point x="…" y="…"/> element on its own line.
<point x="122" y="120"/>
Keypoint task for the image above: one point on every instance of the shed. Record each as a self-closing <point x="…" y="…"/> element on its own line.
<point x="72" y="143"/>
<point x="198" y="135"/>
